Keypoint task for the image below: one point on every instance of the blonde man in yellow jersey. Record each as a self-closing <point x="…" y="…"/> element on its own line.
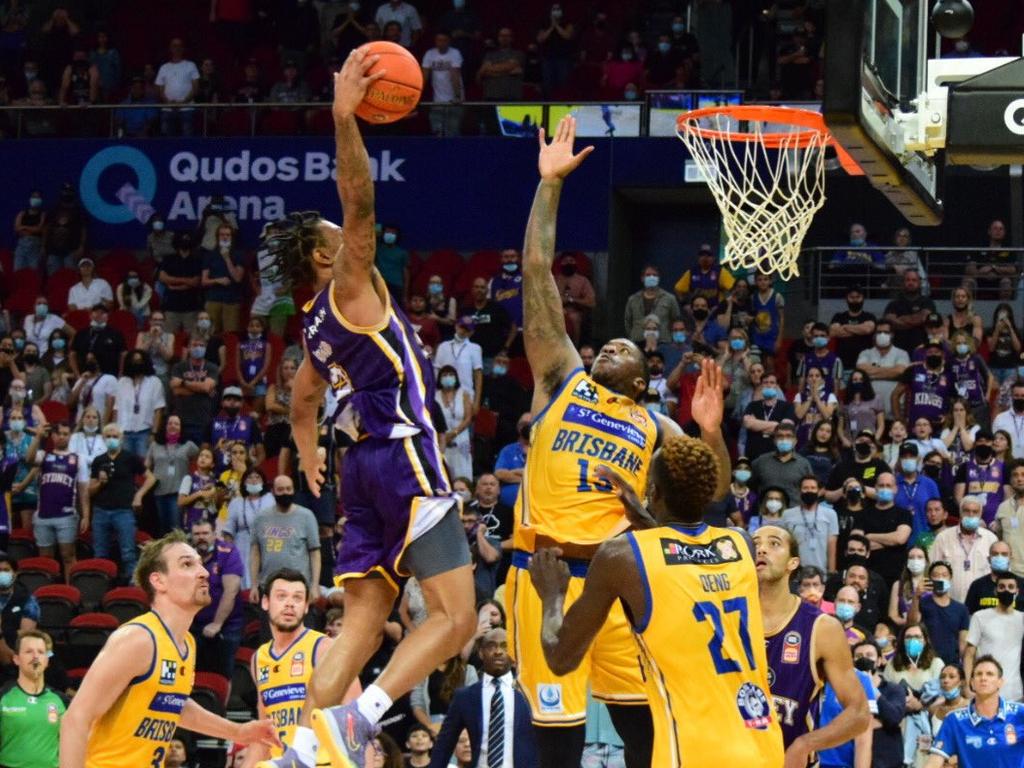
<point x="690" y="591"/>
<point x="137" y="691"/>
<point x="583" y="422"/>
<point x="281" y="667"/>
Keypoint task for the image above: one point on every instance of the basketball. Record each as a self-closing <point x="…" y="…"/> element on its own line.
<point x="397" y="93"/>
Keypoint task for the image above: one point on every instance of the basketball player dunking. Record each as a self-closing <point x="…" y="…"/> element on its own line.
<point x="583" y="422"/>
<point x="402" y="516"/>
<point x="806" y="649"/>
<point x="691" y="592"/>
<point x="137" y="691"/>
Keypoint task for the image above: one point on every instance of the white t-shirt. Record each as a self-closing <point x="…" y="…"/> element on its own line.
<point x="96" y="394"/>
<point x="440" y="66"/>
<point x="1000" y="635"/>
<point x="88" y="447"/>
<point x="883" y="388"/>
<point x="465" y="357"/>
<point x="136" y="404"/>
<point x="177" y="77"/>
<point x="1014" y="426"/>
<point x="86" y="298"/>
<point x="404" y="14"/>
<point x="38" y="331"/>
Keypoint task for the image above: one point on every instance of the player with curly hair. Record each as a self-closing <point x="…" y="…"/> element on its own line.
<point x="690" y="593"/>
<point x="401" y="514"/>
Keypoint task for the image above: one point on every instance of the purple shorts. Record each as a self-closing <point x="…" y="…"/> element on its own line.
<point x="392" y="492"/>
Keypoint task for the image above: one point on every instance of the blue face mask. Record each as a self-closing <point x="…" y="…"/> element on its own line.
<point x="650" y="281"/>
<point x="970" y="524"/>
<point x="820" y="342"/>
<point x="784" y="446"/>
<point x="741" y="475"/>
<point x="1000" y="563"/>
<point x="914" y="646"/>
<point x="6" y="579"/>
<point x="499" y="370"/>
<point x="845" y="612"/>
<point x="962" y="349"/>
<point x="737" y="345"/>
<point x="882" y="642"/>
<point x="254" y="488"/>
<point x="113" y="443"/>
<point x="908" y="465"/>
<point x="857" y="242"/>
<point x="58" y="343"/>
<point x="42" y="310"/>
<point x="17" y="425"/>
<point x="769" y="393"/>
<point x="885" y="495"/>
<point x="678" y="28"/>
<point x="679" y="337"/>
<point x="435" y="288"/>
<point x="198" y="353"/>
<point x="664" y="47"/>
<point x="448" y="382"/>
<point x="951" y="695"/>
<point x="390" y="238"/>
<point x="510" y="267"/>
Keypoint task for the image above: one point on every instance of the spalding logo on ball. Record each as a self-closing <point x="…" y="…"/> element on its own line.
<point x="397" y="93"/>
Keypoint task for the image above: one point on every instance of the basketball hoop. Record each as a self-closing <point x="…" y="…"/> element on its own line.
<point x="766" y="168"/>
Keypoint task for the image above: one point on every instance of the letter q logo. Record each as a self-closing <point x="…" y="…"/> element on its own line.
<point x="1013" y="125"/>
<point x="89" y="185"/>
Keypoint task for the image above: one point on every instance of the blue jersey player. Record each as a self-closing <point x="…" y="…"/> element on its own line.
<point x="401" y="515"/>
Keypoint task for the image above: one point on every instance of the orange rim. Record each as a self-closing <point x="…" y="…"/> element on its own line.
<point x="809" y="126"/>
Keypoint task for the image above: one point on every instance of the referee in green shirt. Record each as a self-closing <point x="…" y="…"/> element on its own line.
<point x="30" y="713"/>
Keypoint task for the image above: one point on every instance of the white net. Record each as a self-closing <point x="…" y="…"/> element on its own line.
<point x="767" y="193"/>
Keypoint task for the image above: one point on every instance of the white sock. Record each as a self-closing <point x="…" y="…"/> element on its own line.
<point x="373" y="703"/>
<point x="305" y="745"/>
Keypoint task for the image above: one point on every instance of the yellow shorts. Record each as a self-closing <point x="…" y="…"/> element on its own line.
<point x="611" y="665"/>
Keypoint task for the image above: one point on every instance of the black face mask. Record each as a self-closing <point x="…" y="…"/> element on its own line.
<point x="284" y="500"/>
<point x="1006" y="599"/>
<point x="31" y="358"/>
<point x="855" y="306"/>
<point x="808" y="497"/>
<point x="853" y="497"/>
<point x="932" y="471"/>
<point x="92" y="366"/>
<point x="864" y="664"/>
<point x="862" y="449"/>
<point x="983" y="452"/>
<point x="1018" y="404"/>
<point x="856" y="387"/>
<point x="568" y="270"/>
<point x="700" y="314"/>
<point x="232" y="410"/>
<point x="933" y="361"/>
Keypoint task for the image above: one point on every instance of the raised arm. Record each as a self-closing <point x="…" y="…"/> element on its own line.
<point x="548" y="348"/>
<point x="307" y="394"/>
<point x="353" y="265"/>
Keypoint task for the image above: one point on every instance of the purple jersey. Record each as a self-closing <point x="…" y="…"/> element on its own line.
<point x="507" y="290"/>
<point x="252" y="353"/>
<point x="706" y="284"/>
<point x="58" y="485"/>
<point x="231" y="429"/>
<point x="200" y="510"/>
<point x="792" y="674"/>
<point x="746" y="505"/>
<point x="928" y="393"/>
<point x="985" y="482"/>
<point x="827" y="364"/>
<point x="970" y="377"/>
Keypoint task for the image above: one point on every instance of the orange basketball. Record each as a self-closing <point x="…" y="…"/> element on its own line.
<point x="397" y="93"/>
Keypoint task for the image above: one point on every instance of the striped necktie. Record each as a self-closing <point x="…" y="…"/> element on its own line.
<point x="496" y="729"/>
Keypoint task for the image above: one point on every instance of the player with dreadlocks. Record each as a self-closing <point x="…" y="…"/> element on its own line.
<point x="401" y="515"/>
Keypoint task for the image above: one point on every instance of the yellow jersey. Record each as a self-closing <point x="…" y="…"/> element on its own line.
<point x="703" y="651"/>
<point x="281" y="681"/>
<point x="138" y="728"/>
<point x="583" y="427"/>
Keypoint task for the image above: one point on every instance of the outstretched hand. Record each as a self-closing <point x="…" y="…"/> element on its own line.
<point x="351" y="82"/>
<point x="556" y="159"/>
<point x="708" y="404"/>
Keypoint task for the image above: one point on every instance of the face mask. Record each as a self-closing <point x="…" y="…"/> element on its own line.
<point x="35" y="202"/>
<point x="510" y="267"/>
<point x="224" y="244"/>
<point x="284" y="500"/>
<point x="1018" y="404"/>
<point x="17" y="395"/>
<point x="31" y="74"/>
<point x="254" y="489"/>
<point x="845" y="612"/>
<point x="1000" y="563"/>
<point x="820" y="342"/>
<point x="737" y="345"/>
<point x="31" y="359"/>
<point x="769" y="393"/>
<point x="773" y="505"/>
<point x="568" y="270"/>
<point x="664" y="47"/>
<point x="458" y="5"/>
<point x="448" y="382"/>
<point x="499" y="370"/>
<point x="855" y="306"/>
<point x="17" y="425"/>
<point x="58" y="343"/>
<point x="864" y="664"/>
<point x="198" y="353"/>
<point x="113" y="443"/>
<point x="915" y="565"/>
<point x="951" y="695"/>
<point x="932" y="471"/>
<point x="862" y="449"/>
<point x="627" y="55"/>
<point x="651" y="281"/>
<point x="6" y="579"/>
<point x="741" y="475"/>
<point x="90" y="429"/>
<point x="857" y="242"/>
<point x="784" y="446"/>
<point x="883" y="339"/>
<point x="390" y="238"/>
<point x="19" y="344"/>
<point x="808" y="498"/>
<point x="678" y="28"/>
<point x="983" y="452"/>
<point x="700" y="314"/>
<point x="173" y="439"/>
<point x="908" y="465"/>
<point x="232" y="410"/>
<point x="882" y="642"/>
<point x="853" y="495"/>
<point x="630" y="94"/>
<point x="97" y="324"/>
<point x="933" y="361"/>
<point x="885" y="495"/>
<point x="556" y="13"/>
<point x="970" y="524"/>
<point x="962" y="349"/>
<point x="435" y="288"/>
<point x="92" y="366"/>
<point x="679" y="337"/>
<point x="203" y="325"/>
<point x="133" y="282"/>
<point x="158" y="226"/>
<point x="962" y="46"/>
<point x="1006" y="599"/>
<point x="940" y="586"/>
<point x="914" y="646"/>
<point x="650" y="334"/>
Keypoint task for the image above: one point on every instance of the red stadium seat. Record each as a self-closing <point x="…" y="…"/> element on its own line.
<point x="243" y="689"/>
<point x="228" y="374"/>
<point x="86" y="635"/>
<point x="486" y="423"/>
<point x="281" y="123"/>
<point x="21" y="544"/>
<point x="75" y="676"/>
<point x="58" y="605"/>
<point x="519" y="369"/>
<point x="28" y="280"/>
<point x="93" y="578"/>
<point x="125" y="322"/>
<point x="22" y="301"/>
<point x="54" y="412"/>
<point x="447" y="263"/>
<point x="210" y="691"/>
<point x="78" y="319"/>
<point x="58" y="285"/>
<point x="485" y="264"/>
<point x="125" y="603"/>
<point x="251" y="634"/>
<point x="142" y="537"/>
<point x="7" y="261"/>
<point x="320" y="123"/>
<point x="36" y="572"/>
<point x="235" y="122"/>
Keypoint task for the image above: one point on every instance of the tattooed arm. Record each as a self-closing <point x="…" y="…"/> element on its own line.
<point x="548" y="347"/>
<point x="307" y="395"/>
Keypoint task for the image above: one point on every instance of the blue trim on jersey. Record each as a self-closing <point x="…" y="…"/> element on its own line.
<point x="152" y="663"/>
<point x="641" y="625"/>
<point x="689" y="530"/>
<point x="316" y="647"/>
<point x="657" y="426"/>
<point x="171" y="638"/>
<point x="270" y="648"/>
<point x="555" y="395"/>
<point x="577" y="567"/>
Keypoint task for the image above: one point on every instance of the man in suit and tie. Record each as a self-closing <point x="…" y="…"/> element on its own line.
<point x="494" y="712"/>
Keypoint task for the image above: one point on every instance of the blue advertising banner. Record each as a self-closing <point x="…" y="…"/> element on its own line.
<point x="470" y="193"/>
